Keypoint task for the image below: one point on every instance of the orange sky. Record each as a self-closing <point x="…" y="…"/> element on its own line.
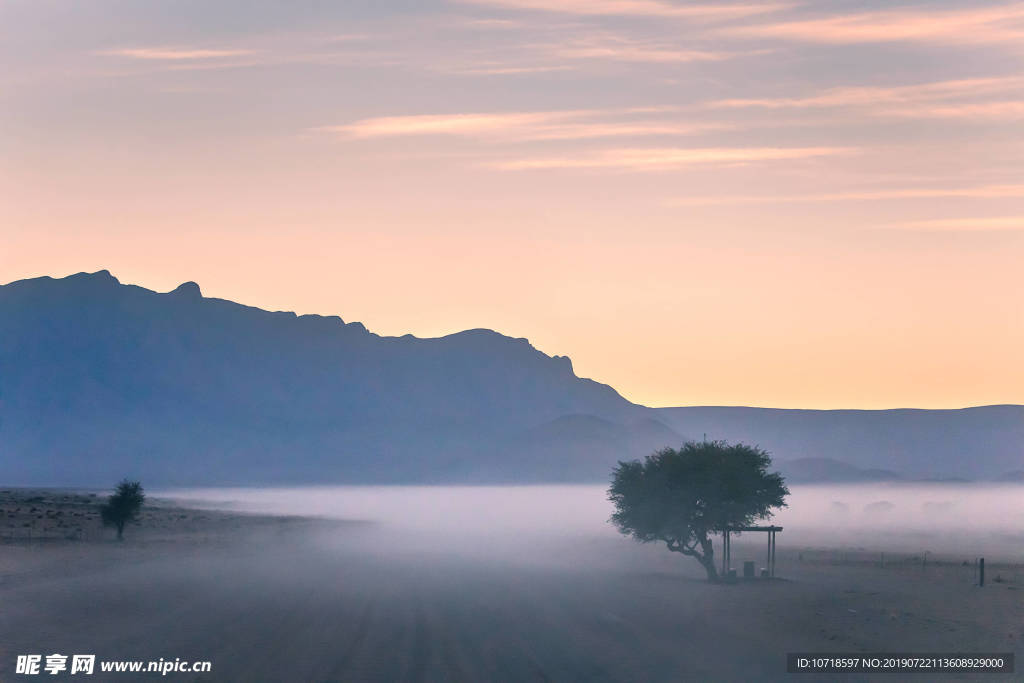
<point x="773" y="204"/>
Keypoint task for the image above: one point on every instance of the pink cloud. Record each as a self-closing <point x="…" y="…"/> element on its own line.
<point x="984" y="224"/>
<point x="518" y="126"/>
<point x="654" y="159"/>
<point x="173" y="54"/>
<point x="979" y="192"/>
<point x="651" y="8"/>
<point x="873" y="95"/>
<point x="1000" y="23"/>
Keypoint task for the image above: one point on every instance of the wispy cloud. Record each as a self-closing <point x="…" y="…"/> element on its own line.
<point x="979" y="192"/>
<point x="504" y="70"/>
<point x="519" y="126"/>
<point x="649" y="8"/>
<point x="976" y="111"/>
<point x="172" y="54"/>
<point x="472" y="125"/>
<point x="874" y="95"/>
<point x="954" y="99"/>
<point x="999" y="23"/>
<point x="984" y="224"/>
<point x="624" y="51"/>
<point x="578" y="131"/>
<point x="279" y="54"/>
<point x="661" y="159"/>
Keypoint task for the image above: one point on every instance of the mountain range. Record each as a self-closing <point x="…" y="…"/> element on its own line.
<point x="101" y="380"/>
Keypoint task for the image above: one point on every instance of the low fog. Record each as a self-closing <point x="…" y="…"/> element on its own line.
<point x="513" y="584"/>
<point x="528" y="522"/>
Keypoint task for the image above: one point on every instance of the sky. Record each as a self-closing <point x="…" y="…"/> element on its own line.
<point x="789" y="204"/>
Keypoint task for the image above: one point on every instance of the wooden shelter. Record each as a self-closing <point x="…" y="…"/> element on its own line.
<point x="727" y="546"/>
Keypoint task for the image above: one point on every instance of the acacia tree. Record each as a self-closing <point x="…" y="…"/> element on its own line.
<point x="685" y="496"/>
<point x="123" y="506"/>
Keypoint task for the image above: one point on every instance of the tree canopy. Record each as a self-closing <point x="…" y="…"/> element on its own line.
<point x="685" y="496"/>
<point x="123" y="506"/>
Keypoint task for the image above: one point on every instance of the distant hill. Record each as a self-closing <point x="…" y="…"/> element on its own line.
<point x="814" y="470"/>
<point x="970" y="443"/>
<point x="100" y="380"/>
<point x="563" y="448"/>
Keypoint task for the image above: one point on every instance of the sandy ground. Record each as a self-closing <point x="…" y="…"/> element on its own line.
<point x="291" y="599"/>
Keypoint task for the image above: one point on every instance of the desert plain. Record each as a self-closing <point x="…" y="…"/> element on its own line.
<point x="266" y="596"/>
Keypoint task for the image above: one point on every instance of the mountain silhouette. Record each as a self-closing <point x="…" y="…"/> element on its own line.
<point x="101" y="380"/>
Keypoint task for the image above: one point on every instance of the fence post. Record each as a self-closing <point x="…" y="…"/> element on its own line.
<point x="981" y="572"/>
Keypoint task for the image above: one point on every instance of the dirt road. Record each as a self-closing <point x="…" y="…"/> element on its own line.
<point x="365" y="605"/>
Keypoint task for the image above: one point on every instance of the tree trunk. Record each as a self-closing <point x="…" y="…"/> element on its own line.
<point x="707" y="559"/>
<point x="120" y="531"/>
<point x="706" y="555"/>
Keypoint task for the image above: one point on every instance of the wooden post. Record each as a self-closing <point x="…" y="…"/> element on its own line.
<point x="725" y="549"/>
<point x="981" y="572"/>
<point x="774" y="541"/>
